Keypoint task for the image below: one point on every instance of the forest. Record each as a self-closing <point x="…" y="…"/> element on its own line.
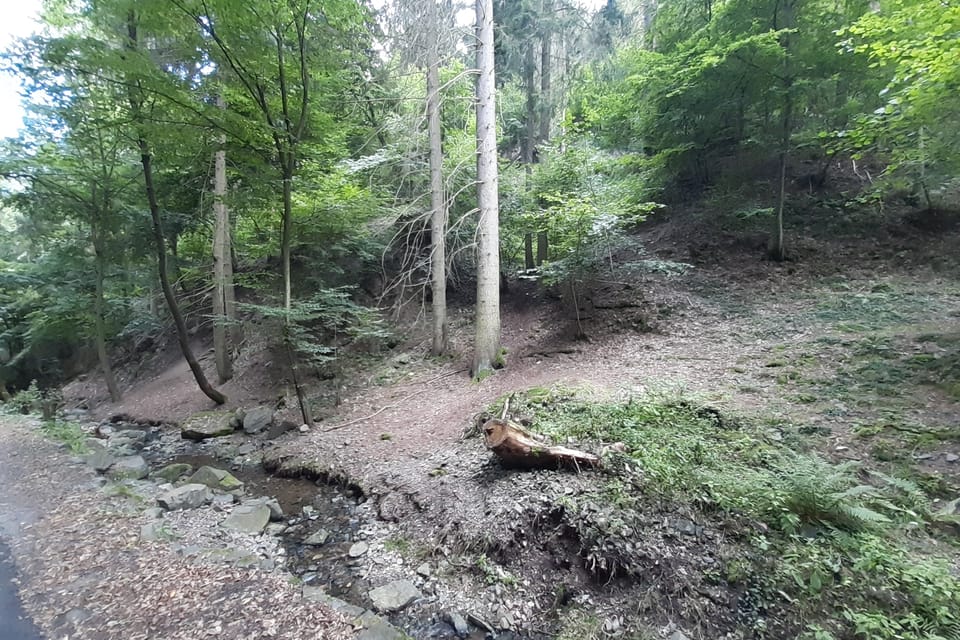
<point x="709" y="247"/>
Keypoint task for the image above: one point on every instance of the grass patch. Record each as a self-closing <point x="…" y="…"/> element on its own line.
<point x="68" y="433"/>
<point x="839" y="545"/>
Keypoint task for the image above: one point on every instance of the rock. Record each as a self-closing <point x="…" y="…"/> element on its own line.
<point x="153" y="513"/>
<point x="276" y="529"/>
<point x="151" y="532"/>
<point x="216" y="479"/>
<point x="458" y="622"/>
<point x="951" y="457"/>
<point x="394" y="596"/>
<point x="208" y="424"/>
<point x="172" y="472"/>
<point x="358" y="549"/>
<point x="318" y="594"/>
<point x="278" y="430"/>
<point x="257" y="419"/>
<point x="319" y="538"/>
<point x="304" y="428"/>
<point x="94" y="444"/>
<point x="678" y="635"/>
<point x="248" y="519"/>
<point x="222" y="500"/>
<point x="233" y="557"/>
<point x="189" y="496"/>
<point x="72" y="617"/>
<point x="276" y="512"/>
<point x="376" y="628"/>
<point x="100" y="460"/>
<point x="424" y="570"/>
<point x="477" y="621"/>
<point x="129" y="468"/>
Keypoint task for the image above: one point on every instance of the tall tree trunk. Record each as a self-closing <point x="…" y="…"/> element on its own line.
<point x="159" y="242"/>
<point x="438" y="218"/>
<point x="487" y="342"/>
<point x="546" y="104"/>
<point x="542" y="247"/>
<point x="528" y="251"/>
<point x="530" y="129"/>
<point x="99" y="316"/>
<point x="778" y="249"/>
<point x="222" y="280"/>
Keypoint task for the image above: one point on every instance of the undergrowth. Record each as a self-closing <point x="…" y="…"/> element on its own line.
<point x="845" y="551"/>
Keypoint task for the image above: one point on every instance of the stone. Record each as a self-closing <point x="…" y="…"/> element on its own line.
<point x="154" y="513"/>
<point x="358" y="549"/>
<point x="233" y="557"/>
<point x="223" y="500"/>
<point x="100" y="460"/>
<point x="257" y="419"/>
<point x="207" y="424"/>
<point x="319" y="538"/>
<point x="129" y="468"/>
<point x="678" y="635"/>
<point x="151" y="532"/>
<point x="951" y="457"/>
<point x="376" y="628"/>
<point x="189" y="496"/>
<point x="424" y="570"/>
<point x="458" y="622"/>
<point x="318" y="594"/>
<point x="276" y="529"/>
<point x="216" y="479"/>
<point x="248" y="519"/>
<point x="172" y="472"/>
<point x="394" y="596"/>
<point x="278" y="430"/>
<point x="304" y="428"/>
<point x="94" y="444"/>
<point x="276" y="512"/>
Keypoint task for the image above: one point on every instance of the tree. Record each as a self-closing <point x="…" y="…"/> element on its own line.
<point x="224" y="311"/>
<point x="438" y="204"/>
<point x="137" y="99"/>
<point x="487" y="343"/>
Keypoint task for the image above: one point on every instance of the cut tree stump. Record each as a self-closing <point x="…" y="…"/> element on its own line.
<point x="517" y="447"/>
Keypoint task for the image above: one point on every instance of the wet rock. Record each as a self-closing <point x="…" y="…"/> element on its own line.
<point x="189" y="496"/>
<point x="318" y="594"/>
<point x="376" y="628"/>
<point x="208" y="424"/>
<point x="394" y="596"/>
<point x="458" y="622"/>
<point x="172" y="472"/>
<point x="358" y="549"/>
<point x="319" y="538"/>
<point x="100" y="460"/>
<point x="248" y="519"/>
<point x="257" y="420"/>
<point x="216" y="479"/>
<point x="129" y="468"/>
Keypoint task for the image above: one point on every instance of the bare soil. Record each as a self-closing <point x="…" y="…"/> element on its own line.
<point x="799" y="342"/>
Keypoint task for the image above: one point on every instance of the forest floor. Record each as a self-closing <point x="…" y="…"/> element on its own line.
<point x="850" y="350"/>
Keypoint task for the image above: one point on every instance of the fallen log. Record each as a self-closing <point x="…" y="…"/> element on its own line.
<point x="517" y="447"/>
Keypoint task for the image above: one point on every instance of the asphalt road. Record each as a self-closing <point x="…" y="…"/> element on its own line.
<point x="14" y="624"/>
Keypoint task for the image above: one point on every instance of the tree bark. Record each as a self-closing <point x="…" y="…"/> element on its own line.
<point x="159" y="242"/>
<point x="546" y="110"/>
<point x="487" y="320"/>
<point x="778" y="249"/>
<point x="528" y="251"/>
<point x="517" y="447"/>
<point x="438" y="217"/>
<point x="542" y="247"/>
<point x="222" y="267"/>
<point x="99" y="315"/>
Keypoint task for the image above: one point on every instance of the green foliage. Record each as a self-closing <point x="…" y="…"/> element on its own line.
<point x="69" y="433"/>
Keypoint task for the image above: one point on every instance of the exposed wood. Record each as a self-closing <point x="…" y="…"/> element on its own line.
<point x="517" y="447"/>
